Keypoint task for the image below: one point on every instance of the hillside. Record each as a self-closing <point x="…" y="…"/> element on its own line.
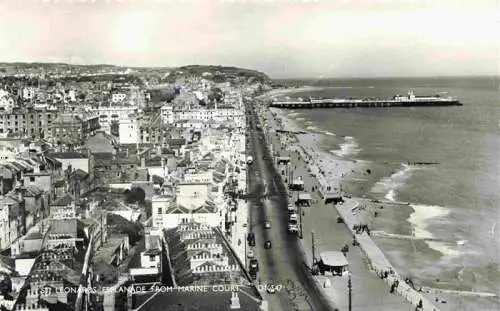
<point x="214" y="73"/>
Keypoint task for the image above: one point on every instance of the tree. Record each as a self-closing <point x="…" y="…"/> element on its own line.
<point x="5" y="284"/>
<point x="135" y="195"/>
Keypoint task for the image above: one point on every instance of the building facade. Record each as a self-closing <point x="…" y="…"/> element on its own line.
<point x="73" y="129"/>
<point x="27" y="122"/>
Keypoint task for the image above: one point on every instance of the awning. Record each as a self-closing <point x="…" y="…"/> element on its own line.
<point x="333" y="259"/>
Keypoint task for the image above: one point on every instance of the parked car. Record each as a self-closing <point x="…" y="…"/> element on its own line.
<point x="250" y="253"/>
<point x="253" y="274"/>
<point x="251" y="239"/>
<point x="254" y="265"/>
<point x="267" y="244"/>
<point x="293" y="228"/>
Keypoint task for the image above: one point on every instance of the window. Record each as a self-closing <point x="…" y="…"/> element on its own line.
<point x="152" y="257"/>
<point x="159" y="210"/>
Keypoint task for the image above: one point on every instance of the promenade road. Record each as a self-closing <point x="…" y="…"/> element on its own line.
<point x="283" y="264"/>
<point x="369" y="292"/>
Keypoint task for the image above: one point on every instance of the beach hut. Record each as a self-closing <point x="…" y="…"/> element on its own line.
<point x="334" y="263"/>
<point x="304" y="199"/>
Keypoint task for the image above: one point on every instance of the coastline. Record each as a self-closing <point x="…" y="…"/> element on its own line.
<point x="329" y="171"/>
<point x="287" y="91"/>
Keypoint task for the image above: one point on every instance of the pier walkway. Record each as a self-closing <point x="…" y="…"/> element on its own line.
<point x="332" y="103"/>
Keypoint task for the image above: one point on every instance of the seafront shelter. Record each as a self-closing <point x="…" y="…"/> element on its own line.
<point x="296" y="185"/>
<point x="332" y="262"/>
<point x="332" y="197"/>
<point x="304" y="199"/>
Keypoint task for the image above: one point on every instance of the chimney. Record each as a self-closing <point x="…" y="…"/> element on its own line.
<point x="20" y="194"/>
<point x="126" y="152"/>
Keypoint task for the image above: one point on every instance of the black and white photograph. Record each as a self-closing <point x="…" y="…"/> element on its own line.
<point x="252" y="155"/>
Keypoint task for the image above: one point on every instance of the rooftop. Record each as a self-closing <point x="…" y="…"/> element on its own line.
<point x="67" y="155"/>
<point x="196" y="300"/>
<point x="104" y="256"/>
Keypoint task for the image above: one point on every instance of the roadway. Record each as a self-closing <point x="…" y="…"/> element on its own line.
<point x="283" y="264"/>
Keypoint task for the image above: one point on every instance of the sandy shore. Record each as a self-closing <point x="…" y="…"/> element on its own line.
<point x="329" y="169"/>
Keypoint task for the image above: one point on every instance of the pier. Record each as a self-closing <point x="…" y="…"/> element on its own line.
<point x="361" y="103"/>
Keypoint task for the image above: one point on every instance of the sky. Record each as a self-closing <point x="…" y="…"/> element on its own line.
<point x="283" y="38"/>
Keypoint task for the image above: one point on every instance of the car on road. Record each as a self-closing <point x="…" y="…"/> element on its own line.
<point x="293" y="229"/>
<point x="267" y="225"/>
<point x="270" y="288"/>
<point x="250" y="253"/>
<point x="254" y="265"/>
<point x="267" y="244"/>
<point x="251" y="239"/>
<point x="253" y="274"/>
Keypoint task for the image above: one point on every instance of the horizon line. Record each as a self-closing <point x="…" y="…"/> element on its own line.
<point x="270" y="77"/>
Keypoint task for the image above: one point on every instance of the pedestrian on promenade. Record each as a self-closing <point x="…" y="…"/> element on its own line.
<point x="420" y="306"/>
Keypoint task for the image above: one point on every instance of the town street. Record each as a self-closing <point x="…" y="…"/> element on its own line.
<point x="283" y="264"/>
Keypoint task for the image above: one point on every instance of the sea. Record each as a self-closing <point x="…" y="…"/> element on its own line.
<point x="455" y="202"/>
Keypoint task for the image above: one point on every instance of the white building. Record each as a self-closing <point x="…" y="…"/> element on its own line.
<point x="168" y="212"/>
<point x="73" y="159"/>
<point x="71" y="96"/>
<point x="109" y="114"/>
<point x="167" y="114"/>
<point x="118" y="98"/>
<point x="209" y="115"/>
<point x="128" y="131"/>
<point x="151" y="257"/>
<point x="8" y="153"/>
<point x="29" y="93"/>
<point x="198" y="177"/>
<point x="6" y="101"/>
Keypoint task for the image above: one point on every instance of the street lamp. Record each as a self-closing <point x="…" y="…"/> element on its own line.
<point x="246" y="237"/>
<point x="300" y="218"/>
<point x="349" y="287"/>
